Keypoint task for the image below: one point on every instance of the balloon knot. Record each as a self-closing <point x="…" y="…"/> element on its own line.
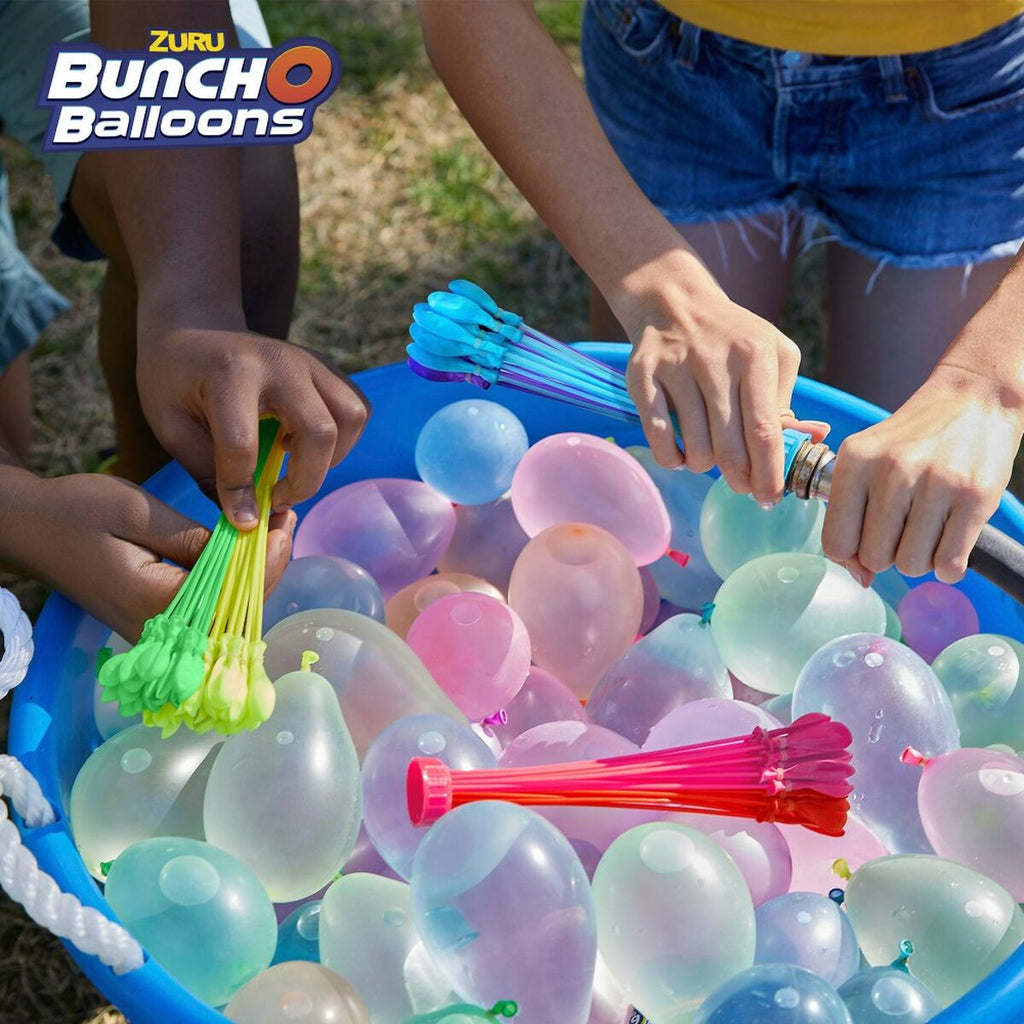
<point x="681" y="558"/>
<point x="309" y="658"/>
<point x="499" y="717"/>
<point x="912" y="756"/>
<point x="705" y="612"/>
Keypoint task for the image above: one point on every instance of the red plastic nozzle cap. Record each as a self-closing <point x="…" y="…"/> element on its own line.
<point x="428" y="790"/>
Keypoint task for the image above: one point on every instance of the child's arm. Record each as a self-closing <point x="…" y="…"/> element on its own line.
<point x="101" y="542"/>
<point x="203" y="378"/>
<point x="916" y="489"/>
<point x="726" y="372"/>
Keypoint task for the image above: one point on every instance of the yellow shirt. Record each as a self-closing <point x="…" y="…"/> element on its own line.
<point x="862" y="28"/>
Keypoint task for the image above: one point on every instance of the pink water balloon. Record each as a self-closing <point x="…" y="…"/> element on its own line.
<point x="652" y="600"/>
<point x="933" y="615"/>
<point x="543" y="698"/>
<point x="396" y="529"/>
<point x="579" y="478"/>
<point x="819" y="862"/>
<point x="402" y="610"/>
<point x="579" y="594"/>
<point x="476" y="648"/>
<point x="972" y="809"/>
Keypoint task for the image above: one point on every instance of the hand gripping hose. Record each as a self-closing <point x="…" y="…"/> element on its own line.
<point x="20" y="875"/>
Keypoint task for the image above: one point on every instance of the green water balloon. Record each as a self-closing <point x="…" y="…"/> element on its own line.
<point x="734" y="528"/>
<point x="775" y="611"/>
<point x="961" y="923"/>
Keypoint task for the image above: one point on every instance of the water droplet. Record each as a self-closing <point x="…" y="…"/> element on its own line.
<point x="431" y="743"/>
<point x="843" y="658"/>
<point x="894" y="996"/>
<point x="296" y="1005"/>
<point x="284" y="737"/>
<point x="974" y="908"/>
<point x="1001" y="781"/>
<point x="473" y="410"/>
<point x="873" y="659"/>
<point x="136" y="760"/>
<point x="394" y="918"/>
<point x="875" y="732"/>
<point x="308" y="922"/>
<point x="572" y="441"/>
<point x="788" y="998"/>
<point x="666" y="851"/>
<point x="189" y="880"/>
<point x="996" y="650"/>
<point x="787" y="574"/>
<point x="803" y="917"/>
<point x="292" y="607"/>
<point x="324" y="633"/>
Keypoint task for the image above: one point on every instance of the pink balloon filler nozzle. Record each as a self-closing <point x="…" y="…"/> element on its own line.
<point x="798" y="774"/>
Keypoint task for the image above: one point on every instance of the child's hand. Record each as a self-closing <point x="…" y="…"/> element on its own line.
<point x="916" y="489"/>
<point x="100" y="540"/>
<point x="726" y="373"/>
<point x="203" y="392"/>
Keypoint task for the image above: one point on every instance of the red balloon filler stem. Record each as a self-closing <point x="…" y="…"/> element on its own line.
<point x="798" y="774"/>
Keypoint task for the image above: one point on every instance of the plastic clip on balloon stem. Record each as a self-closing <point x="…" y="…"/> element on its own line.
<point x="20" y="875"/>
<point x="997" y="557"/>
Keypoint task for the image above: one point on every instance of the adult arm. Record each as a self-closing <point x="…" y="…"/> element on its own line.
<point x="916" y="489"/>
<point x="727" y="373"/>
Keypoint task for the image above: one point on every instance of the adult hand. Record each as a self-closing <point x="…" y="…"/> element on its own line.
<point x="203" y="392"/>
<point x="916" y="489"/>
<point x="727" y="374"/>
<point x="101" y="541"/>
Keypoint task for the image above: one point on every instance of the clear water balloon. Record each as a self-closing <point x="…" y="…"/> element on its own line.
<point x="890" y="699"/>
<point x="652" y="887"/>
<point x="374" y="673"/>
<point x="933" y="615"/>
<point x="505" y="909"/>
<point x="772" y="994"/>
<point x="384" y="772"/>
<point x="734" y="528"/>
<point x="579" y="595"/>
<point x="677" y="662"/>
<point x="477" y="649"/>
<point x="579" y="478"/>
<point x="323" y="581"/>
<point x="774" y="612"/>
<point x="199" y="912"/>
<point x="469" y="450"/>
<point x="305" y="992"/>
<point x="710" y="718"/>
<point x="396" y="529"/>
<point x="888" y="995"/>
<point x="136" y="786"/>
<point x="285" y="799"/>
<point x="807" y="930"/>
<point x="962" y="924"/>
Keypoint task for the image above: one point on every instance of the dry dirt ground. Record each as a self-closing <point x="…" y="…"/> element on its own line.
<point x="397" y="197"/>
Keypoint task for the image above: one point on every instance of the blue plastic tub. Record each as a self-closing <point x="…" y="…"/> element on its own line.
<point x="52" y="729"/>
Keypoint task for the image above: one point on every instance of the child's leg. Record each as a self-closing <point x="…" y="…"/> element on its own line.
<point x="16" y="407"/>
<point x="746" y="259"/>
<point x="269" y="255"/>
<point x="883" y="343"/>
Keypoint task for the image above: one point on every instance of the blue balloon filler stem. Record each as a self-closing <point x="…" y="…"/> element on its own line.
<point x="463" y="336"/>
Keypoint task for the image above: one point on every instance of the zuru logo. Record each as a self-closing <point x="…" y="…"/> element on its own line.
<point x="203" y="95"/>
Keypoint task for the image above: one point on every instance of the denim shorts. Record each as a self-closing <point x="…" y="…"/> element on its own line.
<point x="915" y="160"/>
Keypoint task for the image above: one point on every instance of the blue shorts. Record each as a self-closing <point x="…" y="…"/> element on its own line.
<point x="915" y="160"/>
<point x="28" y="28"/>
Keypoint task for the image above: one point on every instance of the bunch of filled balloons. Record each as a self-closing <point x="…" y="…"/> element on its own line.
<point x="521" y="606"/>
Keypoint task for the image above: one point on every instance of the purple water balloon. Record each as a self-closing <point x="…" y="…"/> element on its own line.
<point x="476" y="648"/>
<point x="934" y="615"/>
<point x="543" y="698"/>
<point x="708" y="719"/>
<point x="486" y="542"/>
<point x="396" y="529"/>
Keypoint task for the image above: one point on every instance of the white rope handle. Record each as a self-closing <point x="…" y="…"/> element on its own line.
<point x="20" y="875"/>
